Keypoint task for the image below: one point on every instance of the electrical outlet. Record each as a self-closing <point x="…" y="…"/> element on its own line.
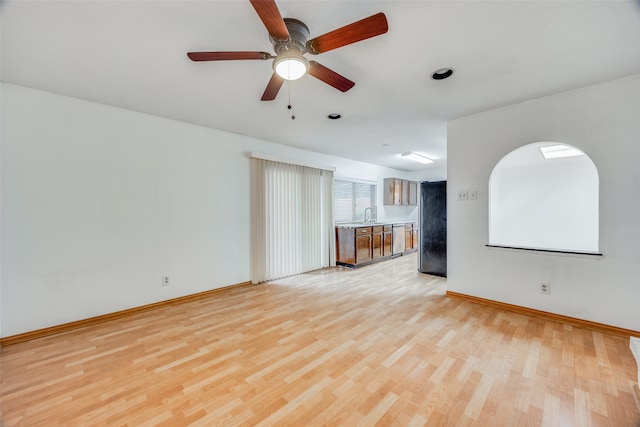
<point x="473" y="195"/>
<point x="165" y="281"/>
<point x="545" y="288"/>
<point x="463" y="196"/>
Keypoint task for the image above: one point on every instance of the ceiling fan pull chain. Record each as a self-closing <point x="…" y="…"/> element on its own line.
<point x="289" y="107"/>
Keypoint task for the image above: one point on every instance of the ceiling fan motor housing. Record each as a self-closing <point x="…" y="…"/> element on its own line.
<point x="299" y="34"/>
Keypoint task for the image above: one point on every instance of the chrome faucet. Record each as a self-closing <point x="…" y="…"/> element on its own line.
<point x="372" y="218"/>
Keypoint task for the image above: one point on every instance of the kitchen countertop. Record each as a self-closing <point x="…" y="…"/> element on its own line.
<point x="362" y="224"/>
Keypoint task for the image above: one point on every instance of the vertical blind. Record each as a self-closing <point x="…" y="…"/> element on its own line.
<point x="351" y="198"/>
<point x="291" y="219"/>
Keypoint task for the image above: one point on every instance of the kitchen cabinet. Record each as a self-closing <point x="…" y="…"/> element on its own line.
<point x="400" y="192"/>
<point x="387" y="240"/>
<point x="410" y="237"/>
<point x="376" y="242"/>
<point x="363" y="245"/>
<point x="360" y="245"/>
<point x="392" y="192"/>
<point x="353" y="245"/>
<point x="405" y="192"/>
<point x="413" y="193"/>
<point x="345" y="245"/>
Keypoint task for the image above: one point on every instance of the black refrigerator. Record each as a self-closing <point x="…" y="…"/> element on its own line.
<point x="432" y="251"/>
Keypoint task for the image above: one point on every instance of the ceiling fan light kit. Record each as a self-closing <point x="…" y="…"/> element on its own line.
<point x="291" y="66"/>
<point x="290" y="39"/>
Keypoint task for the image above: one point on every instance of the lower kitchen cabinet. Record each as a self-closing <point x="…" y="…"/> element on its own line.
<point x="361" y="245"/>
<point x="357" y="246"/>
<point x="345" y="246"/>
<point x="376" y="242"/>
<point x="411" y="237"/>
<point x="387" y="240"/>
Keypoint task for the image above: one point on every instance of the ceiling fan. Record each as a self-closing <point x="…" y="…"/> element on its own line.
<point x="290" y="39"/>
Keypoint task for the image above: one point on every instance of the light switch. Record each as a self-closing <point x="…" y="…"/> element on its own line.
<point x="473" y="195"/>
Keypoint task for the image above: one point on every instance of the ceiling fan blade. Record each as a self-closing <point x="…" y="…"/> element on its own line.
<point x="352" y="33"/>
<point x="225" y="56"/>
<point x="330" y="77"/>
<point x="270" y="15"/>
<point x="273" y="87"/>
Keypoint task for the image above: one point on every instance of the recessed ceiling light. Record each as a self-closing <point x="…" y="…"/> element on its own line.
<point x="334" y="116"/>
<point x="442" y="73"/>
<point x="559" y="150"/>
<point x="417" y="158"/>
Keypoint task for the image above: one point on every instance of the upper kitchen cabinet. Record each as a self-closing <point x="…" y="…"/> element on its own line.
<point x="392" y="192"/>
<point x="413" y="193"/>
<point x="400" y="192"/>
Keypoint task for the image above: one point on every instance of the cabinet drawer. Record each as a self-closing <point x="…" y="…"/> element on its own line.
<point x="363" y="230"/>
<point x="377" y="229"/>
<point x="408" y="225"/>
<point x="388" y="227"/>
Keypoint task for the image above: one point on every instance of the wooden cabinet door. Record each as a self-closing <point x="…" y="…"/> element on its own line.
<point x="397" y="191"/>
<point x="414" y="238"/>
<point x="413" y="193"/>
<point x="376" y="245"/>
<point x="387" y="243"/>
<point x="363" y="248"/>
<point x="408" y="234"/>
<point x="405" y="192"/>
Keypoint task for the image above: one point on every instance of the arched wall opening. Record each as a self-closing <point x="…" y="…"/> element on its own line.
<point x="545" y="196"/>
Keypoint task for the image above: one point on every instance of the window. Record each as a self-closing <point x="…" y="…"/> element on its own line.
<point x="544" y="196"/>
<point x="351" y="198"/>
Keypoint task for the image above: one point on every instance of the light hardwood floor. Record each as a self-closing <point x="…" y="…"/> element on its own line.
<point x="380" y="345"/>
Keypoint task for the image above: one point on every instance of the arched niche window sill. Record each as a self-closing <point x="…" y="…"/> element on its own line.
<point x="552" y="251"/>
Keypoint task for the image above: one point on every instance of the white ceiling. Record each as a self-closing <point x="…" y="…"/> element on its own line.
<point x="132" y="54"/>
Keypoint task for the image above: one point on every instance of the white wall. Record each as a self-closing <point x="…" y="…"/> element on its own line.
<point x="98" y="203"/>
<point x="603" y="122"/>
<point x="430" y="174"/>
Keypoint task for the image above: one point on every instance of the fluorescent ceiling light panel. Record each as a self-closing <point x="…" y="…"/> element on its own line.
<point x="558" y="151"/>
<point x="417" y="158"/>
